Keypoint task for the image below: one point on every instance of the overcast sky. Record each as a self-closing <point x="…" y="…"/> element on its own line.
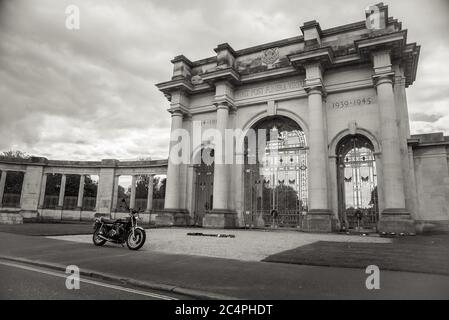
<point x="89" y="94"/>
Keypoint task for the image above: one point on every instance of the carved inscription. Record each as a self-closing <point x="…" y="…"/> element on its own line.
<point x="271" y="88"/>
<point x="352" y="102"/>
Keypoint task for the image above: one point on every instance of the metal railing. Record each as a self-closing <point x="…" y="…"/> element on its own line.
<point x="70" y="202"/>
<point x="11" y="200"/>
<point x="89" y="203"/>
<point x="284" y="219"/>
<point x="51" y="202"/>
<point x="368" y="221"/>
<point x="158" y="204"/>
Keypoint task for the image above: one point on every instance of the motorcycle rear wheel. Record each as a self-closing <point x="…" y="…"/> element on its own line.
<point x="137" y="242"/>
<point x="96" y="239"/>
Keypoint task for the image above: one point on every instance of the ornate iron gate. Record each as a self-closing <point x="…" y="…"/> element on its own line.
<point x="276" y="187"/>
<point x="357" y="183"/>
<point x="203" y="191"/>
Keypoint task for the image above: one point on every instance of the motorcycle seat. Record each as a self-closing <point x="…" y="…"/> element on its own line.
<point x="112" y="221"/>
<point x="106" y="220"/>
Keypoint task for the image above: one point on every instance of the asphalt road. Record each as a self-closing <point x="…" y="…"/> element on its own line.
<point x="206" y="275"/>
<point x="20" y="281"/>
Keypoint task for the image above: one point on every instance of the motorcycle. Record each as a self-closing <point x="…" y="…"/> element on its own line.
<point x="119" y="230"/>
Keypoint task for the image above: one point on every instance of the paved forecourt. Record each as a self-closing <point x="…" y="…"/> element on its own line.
<point x="247" y="245"/>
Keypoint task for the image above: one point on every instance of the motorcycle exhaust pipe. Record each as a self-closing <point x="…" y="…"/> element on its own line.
<point x="104" y="238"/>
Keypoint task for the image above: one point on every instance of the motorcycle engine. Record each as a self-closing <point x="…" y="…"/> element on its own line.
<point x="120" y="230"/>
<point x="116" y="231"/>
<point x="112" y="233"/>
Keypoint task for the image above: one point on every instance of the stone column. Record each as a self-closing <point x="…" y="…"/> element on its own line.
<point x="319" y="216"/>
<point x="221" y="215"/>
<point x="221" y="177"/>
<point x="79" y="204"/>
<point x="2" y="186"/>
<point x="150" y="194"/>
<point x="173" y="213"/>
<point x="132" y="198"/>
<point x="42" y="191"/>
<point x="172" y="191"/>
<point x="31" y="189"/>
<point x="394" y="218"/>
<point x="317" y="151"/>
<point x="115" y="193"/>
<point x="62" y="192"/>
<point x="105" y="187"/>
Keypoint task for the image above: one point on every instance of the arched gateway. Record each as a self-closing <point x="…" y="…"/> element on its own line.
<point x="358" y="201"/>
<point x="345" y="79"/>
<point x="275" y="182"/>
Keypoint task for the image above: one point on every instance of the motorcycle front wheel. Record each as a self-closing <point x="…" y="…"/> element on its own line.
<point x="96" y="239"/>
<point x="136" y="242"/>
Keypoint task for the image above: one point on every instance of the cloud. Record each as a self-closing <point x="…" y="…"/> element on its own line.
<point x="425" y="117"/>
<point x="90" y="94"/>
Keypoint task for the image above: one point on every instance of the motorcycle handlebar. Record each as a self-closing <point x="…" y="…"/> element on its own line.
<point x="133" y="211"/>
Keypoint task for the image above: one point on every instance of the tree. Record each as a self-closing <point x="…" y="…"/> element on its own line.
<point x="14" y="181"/>
<point x="90" y="187"/>
<point x="142" y="187"/>
<point x="71" y="186"/>
<point x="374" y="197"/>
<point x="14" y="154"/>
<point x="159" y="185"/>
<point x="53" y="184"/>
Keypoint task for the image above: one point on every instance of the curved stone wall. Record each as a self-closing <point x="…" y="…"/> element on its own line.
<point x="27" y="199"/>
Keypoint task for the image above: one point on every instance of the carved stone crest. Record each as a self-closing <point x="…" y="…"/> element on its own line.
<point x="270" y="56"/>
<point x="196" y="79"/>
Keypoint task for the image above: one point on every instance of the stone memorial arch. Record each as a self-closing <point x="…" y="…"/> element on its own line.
<point x="342" y="156"/>
<point x="345" y="89"/>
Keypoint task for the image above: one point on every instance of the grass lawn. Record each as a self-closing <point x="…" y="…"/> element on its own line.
<point x="422" y="253"/>
<point x="47" y="229"/>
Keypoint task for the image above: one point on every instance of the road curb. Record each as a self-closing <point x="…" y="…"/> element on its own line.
<point x="193" y="293"/>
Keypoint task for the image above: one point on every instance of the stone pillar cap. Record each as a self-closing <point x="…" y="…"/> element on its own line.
<point x="225" y="46"/>
<point x="312" y="24"/>
<point x="182" y="58"/>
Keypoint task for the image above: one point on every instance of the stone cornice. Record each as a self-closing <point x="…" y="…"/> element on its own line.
<point x="225" y="46"/>
<point x="394" y="42"/>
<point x="350" y="27"/>
<point x="323" y="55"/>
<point x="228" y="74"/>
<point x="182" y="58"/>
<point x="178" y="109"/>
<point x="393" y="39"/>
<point x="412" y="142"/>
<point x="410" y="62"/>
<point x="105" y="163"/>
<point x="224" y="101"/>
<point x="428" y="140"/>
<point x="175" y="85"/>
